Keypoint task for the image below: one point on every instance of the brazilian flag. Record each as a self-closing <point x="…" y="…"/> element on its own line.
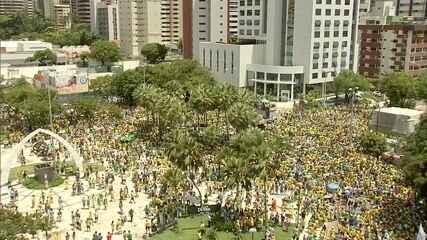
<point x="129" y="137"/>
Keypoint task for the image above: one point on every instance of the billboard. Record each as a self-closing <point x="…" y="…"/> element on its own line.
<point x="64" y="82"/>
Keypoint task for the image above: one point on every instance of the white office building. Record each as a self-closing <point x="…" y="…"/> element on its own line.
<point x="303" y="43"/>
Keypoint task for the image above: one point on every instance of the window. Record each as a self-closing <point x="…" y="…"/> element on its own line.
<point x="256" y="22"/>
<point x="345" y="33"/>
<point x="317" y="34"/>
<point x="316" y="45"/>
<point x="242" y="22"/>
<point x="256" y="32"/>
<point x="336" y="33"/>
<point x="346" y="12"/>
<point x="346" y="23"/>
<point x="336" y="23"/>
<point x="328" y="1"/>
<point x="242" y="2"/>
<point x="344" y="44"/>
<point x="314" y="76"/>
<point x="249" y="2"/>
<point x="317" y="23"/>
<point x="326" y="45"/>
<point x="318" y="12"/>
<point x="319" y="1"/>
<point x="335" y="44"/>
<point x="249" y="32"/>
<point x="325" y="65"/>
<point x="338" y="2"/>
<point x="315" y="66"/>
<point x="316" y="56"/>
<point x="242" y="13"/>
<point x="337" y="12"/>
<point x="325" y="55"/>
<point x="242" y="31"/>
<point x="328" y="12"/>
<point x="327" y="34"/>
<point x="327" y="23"/>
<point x="347" y="2"/>
<point x="257" y="2"/>
<point x="249" y="22"/>
<point x="257" y="12"/>
<point x="249" y="13"/>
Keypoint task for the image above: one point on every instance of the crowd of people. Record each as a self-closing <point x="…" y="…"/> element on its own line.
<point x="372" y="198"/>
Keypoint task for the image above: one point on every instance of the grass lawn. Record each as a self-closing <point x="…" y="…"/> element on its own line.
<point x="33" y="183"/>
<point x="16" y="172"/>
<point x="187" y="229"/>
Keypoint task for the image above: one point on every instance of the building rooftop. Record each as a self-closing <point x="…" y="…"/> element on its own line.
<point x="401" y="111"/>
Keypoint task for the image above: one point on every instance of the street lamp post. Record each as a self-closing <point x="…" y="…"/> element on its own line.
<point x="50" y="101"/>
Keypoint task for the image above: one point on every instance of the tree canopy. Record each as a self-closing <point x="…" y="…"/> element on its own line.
<point x="415" y="157"/>
<point x="44" y="57"/>
<point x="154" y="52"/>
<point x="374" y="143"/>
<point x="347" y="80"/>
<point x="105" y="51"/>
<point x="400" y="88"/>
<point x="14" y="225"/>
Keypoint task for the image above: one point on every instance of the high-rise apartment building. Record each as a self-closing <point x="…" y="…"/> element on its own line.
<point x="171" y="21"/>
<point x="147" y="21"/>
<point x="393" y="47"/>
<point x="105" y="21"/>
<point x="287" y="44"/>
<point x="62" y="16"/>
<point x="414" y="8"/>
<point x="211" y="21"/>
<point x="10" y="7"/>
<point x="81" y="10"/>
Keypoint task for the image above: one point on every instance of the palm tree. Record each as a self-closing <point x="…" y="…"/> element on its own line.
<point x="185" y="153"/>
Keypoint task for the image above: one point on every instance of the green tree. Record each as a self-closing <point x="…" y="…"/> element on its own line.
<point x="31" y="104"/>
<point x="415" y="157"/>
<point x="184" y="152"/>
<point x="374" y="143"/>
<point x="242" y="116"/>
<point x="347" y="80"/>
<point x="102" y="86"/>
<point x="105" y="51"/>
<point x="154" y="52"/>
<point x="14" y="225"/>
<point x="125" y="84"/>
<point x="400" y="88"/>
<point x="422" y="86"/>
<point x="312" y="99"/>
<point x="242" y="159"/>
<point x="44" y="57"/>
<point x="84" y="57"/>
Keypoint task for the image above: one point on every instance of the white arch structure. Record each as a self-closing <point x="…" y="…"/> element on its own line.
<point x="74" y="154"/>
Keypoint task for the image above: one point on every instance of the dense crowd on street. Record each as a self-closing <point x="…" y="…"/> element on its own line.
<point x="372" y="199"/>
